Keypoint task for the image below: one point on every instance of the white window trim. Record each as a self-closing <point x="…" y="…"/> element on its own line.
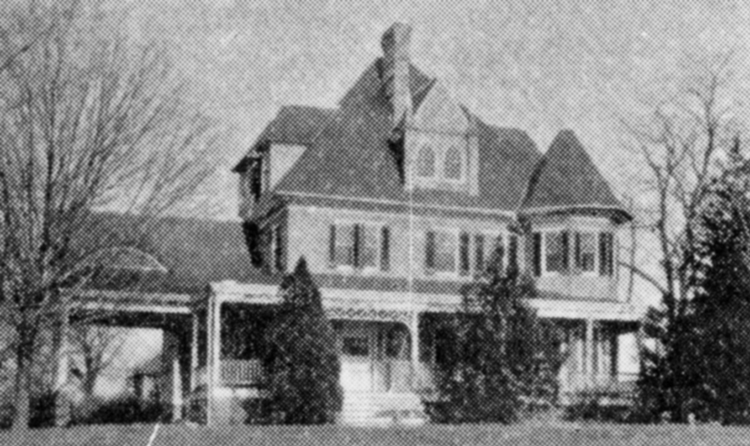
<point x="456" y="233"/>
<point x="435" y="162"/>
<point x="488" y="235"/>
<point x="378" y="227"/>
<point x="543" y="253"/>
<point x="338" y="223"/>
<point x="379" y="245"/>
<point x="444" y="156"/>
<point x="595" y="272"/>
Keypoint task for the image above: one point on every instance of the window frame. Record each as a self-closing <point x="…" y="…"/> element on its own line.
<point x="595" y="241"/>
<point x="357" y="225"/>
<point x="418" y="161"/>
<point x="545" y="272"/>
<point x="461" y="168"/>
<point x="455" y="235"/>
<point x="489" y="238"/>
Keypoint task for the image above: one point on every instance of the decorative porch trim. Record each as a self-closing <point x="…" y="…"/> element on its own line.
<point x="370" y="314"/>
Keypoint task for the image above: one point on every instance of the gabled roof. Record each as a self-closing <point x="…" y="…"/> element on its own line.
<point x="351" y="157"/>
<point x="293" y="124"/>
<point x="567" y="178"/>
<point x="193" y="252"/>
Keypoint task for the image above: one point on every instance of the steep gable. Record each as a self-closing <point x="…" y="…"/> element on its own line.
<point x="567" y="178"/>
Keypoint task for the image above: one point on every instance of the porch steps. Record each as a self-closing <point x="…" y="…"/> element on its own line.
<point x="373" y="408"/>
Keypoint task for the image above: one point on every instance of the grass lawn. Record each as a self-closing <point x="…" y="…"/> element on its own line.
<point x="554" y="435"/>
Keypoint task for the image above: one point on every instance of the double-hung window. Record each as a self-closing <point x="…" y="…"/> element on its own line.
<point x="592" y="253"/>
<point x="585" y="252"/>
<point x="342" y="244"/>
<point x="440" y="251"/>
<point x="358" y="245"/>
<point x="555" y="252"/>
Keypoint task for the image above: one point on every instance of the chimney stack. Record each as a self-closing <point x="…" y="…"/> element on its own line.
<point x="395" y="69"/>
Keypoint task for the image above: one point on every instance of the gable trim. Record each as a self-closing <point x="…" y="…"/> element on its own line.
<point x="510" y="214"/>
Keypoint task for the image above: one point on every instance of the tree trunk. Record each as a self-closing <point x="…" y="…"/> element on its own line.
<point x="22" y="404"/>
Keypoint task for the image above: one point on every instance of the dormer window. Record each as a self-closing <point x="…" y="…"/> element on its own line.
<point x="453" y="164"/>
<point x="426" y="162"/>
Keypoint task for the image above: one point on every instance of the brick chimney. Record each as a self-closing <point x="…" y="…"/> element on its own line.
<point x="395" y="69"/>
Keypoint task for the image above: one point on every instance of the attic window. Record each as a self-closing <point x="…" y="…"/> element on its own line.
<point x="426" y="162"/>
<point x="453" y="165"/>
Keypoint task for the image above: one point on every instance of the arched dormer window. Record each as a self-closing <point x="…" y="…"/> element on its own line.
<point x="453" y="164"/>
<point x="426" y="162"/>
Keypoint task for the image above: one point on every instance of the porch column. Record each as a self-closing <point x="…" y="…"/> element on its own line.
<point x="213" y="362"/>
<point x="171" y="379"/>
<point x="194" y="351"/>
<point x="62" y="368"/>
<point x="589" y="356"/>
<point x="414" y="334"/>
<point x="177" y="400"/>
<point x="209" y="359"/>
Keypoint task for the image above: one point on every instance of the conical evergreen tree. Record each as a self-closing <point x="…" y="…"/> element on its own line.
<point x="700" y="360"/>
<point x="302" y="363"/>
<point x="504" y="358"/>
<point x="721" y="307"/>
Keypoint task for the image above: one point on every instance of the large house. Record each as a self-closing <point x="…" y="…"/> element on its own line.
<point x="395" y="198"/>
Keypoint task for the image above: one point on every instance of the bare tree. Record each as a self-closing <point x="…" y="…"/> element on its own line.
<point x="684" y="141"/>
<point x="94" y="349"/>
<point x="91" y="120"/>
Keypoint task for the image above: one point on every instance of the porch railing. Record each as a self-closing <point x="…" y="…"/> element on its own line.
<point x="241" y="371"/>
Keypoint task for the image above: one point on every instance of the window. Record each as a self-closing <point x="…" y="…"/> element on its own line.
<point x="585" y="252"/>
<point x="368" y="249"/>
<point x="426" y="162"/>
<point x="359" y="246"/>
<point x="355" y="346"/>
<point x="440" y="252"/>
<point x="255" y="175"/>
<point x="487" y="249"/>
<point x="606" y="254"/>
<point x="555" y="252"/>
<point x="342" y="245"/>
<point x="453" y="165"/>
<point x="276" y="249"/>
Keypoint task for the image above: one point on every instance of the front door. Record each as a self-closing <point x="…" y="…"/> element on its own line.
<point x="356" y="361"/>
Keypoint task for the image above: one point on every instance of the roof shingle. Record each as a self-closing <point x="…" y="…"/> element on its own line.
<point x="566" y="177"/>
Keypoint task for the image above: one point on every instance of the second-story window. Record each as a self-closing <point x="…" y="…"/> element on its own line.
<point x="440" y="251"/>
<point x="585" y="252"/>
<point x="606" y="254"/>
<point x="342" y="245"/>
<point x="555" y="252"/>
<point x="358" y="245"/>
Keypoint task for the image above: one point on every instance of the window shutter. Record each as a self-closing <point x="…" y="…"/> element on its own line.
<point x="278" y="255"/>
<point x="537" y="240"/>
<point x="429" y="257"/>
<point x="385" y="249"/>
<point x="332" y="245"/>
<point x="513" y="251"/>
<point x="358" y="240"/>
<point x="605" y="254"/>
<point x="577" y="251"/>
<point x="464" y="254"/>
<point x="565" y="251"/>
